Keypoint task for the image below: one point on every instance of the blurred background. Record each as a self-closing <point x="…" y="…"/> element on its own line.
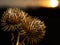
<point x="30" y="3"/>
<point x="47" y="10"/>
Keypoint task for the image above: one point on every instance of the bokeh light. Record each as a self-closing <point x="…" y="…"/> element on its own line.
<point x="54" y="3"/>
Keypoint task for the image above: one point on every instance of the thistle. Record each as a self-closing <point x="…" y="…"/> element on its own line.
<point x="32" y="29"/>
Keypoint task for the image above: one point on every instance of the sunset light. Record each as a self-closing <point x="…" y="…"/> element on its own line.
<point x="54" y="3"/>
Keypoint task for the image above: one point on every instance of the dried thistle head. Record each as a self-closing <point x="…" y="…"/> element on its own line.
<point x="35" y="30"/>
<point x="12" y="19"/>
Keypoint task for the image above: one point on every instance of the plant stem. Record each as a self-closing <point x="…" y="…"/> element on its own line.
<point x="12" y="39"/>
<point x="18" y="43"/>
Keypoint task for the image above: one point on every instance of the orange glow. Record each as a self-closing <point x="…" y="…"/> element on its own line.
<point x="43" y="3"/>
<point x="48" y="3"/>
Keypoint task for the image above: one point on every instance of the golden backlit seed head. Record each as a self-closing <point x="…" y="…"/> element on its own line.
<point x="12" y="19"/>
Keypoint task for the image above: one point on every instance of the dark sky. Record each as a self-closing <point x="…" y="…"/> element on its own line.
<point x="50" y="16"/>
